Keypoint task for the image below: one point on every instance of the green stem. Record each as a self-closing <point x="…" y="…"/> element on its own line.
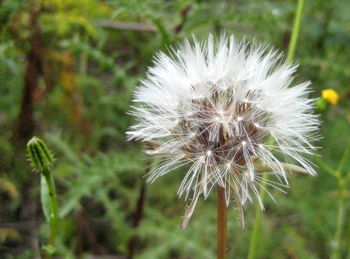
<point x="340" y="222"/>
<point x="343" y="160"/>
<point x="54" y="208"/>
<point x="290" y="56"/>
<point x="295" y="32"/>
<point x="326" y="167"/>
<point x="257" y="222"/>
<point x="342" y="181"/>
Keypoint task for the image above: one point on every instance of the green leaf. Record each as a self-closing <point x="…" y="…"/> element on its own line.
<point x="48" y="249"/>
<point x="45" y="198"/>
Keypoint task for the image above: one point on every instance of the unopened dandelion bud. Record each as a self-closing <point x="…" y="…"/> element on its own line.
<point x="321" y="105"/>
<point x="39" y="155"/>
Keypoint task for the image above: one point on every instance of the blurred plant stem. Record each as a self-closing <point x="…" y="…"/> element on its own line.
<point x="295" y="32"/>
<point x="54" y="210"/>
<point x="340" y="221"/>
<point x="32" y="73"/>
<point x="221" y="224"/>
<point x="83" y="59"/>
<point x="290" y="56"/>
<point x="137" y="218"/>
<point x="139" y="210"/>
<point x="342" y="181"/>
<point x="257" y="222"/>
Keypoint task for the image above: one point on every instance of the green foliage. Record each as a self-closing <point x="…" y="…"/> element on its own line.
<point x="99" y="178"/>
<point x="44" y="195"/>
<point x="94" y="54"/>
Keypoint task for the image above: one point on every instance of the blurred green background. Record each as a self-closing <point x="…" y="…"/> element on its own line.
<point x="67" y="73"/>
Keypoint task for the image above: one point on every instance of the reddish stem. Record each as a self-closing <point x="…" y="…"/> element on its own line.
<point x="221" y="224"/>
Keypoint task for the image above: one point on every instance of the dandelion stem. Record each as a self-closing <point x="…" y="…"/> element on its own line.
<point x="221" y="224"/>
<point x="295" y="32"/>
<point x="54" y="209"/>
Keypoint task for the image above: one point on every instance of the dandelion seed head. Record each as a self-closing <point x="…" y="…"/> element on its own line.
<point x="216" y="106"/>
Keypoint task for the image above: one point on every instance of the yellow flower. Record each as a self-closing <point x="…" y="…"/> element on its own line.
<point x="331" y="96"/>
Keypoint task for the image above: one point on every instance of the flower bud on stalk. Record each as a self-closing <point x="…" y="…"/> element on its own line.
<point x="40" y="157"/>
<point x="41" y="160"/>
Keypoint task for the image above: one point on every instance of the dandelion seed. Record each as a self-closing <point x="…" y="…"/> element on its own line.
<point x="243" y="86"/>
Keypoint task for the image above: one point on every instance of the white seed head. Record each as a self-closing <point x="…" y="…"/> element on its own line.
<point x="245" y="87"/>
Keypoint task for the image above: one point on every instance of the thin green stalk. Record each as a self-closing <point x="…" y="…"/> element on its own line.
<point x="257" y="222"/>
<point x="326" y="167"/>
<point x="295" y="32"/>
<point x="342" y="181"/>
<point x="343" y="160"/>
<point x="290" y="56"/>
<point x="340" y="222"/>
<point x="54" y="209"/>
